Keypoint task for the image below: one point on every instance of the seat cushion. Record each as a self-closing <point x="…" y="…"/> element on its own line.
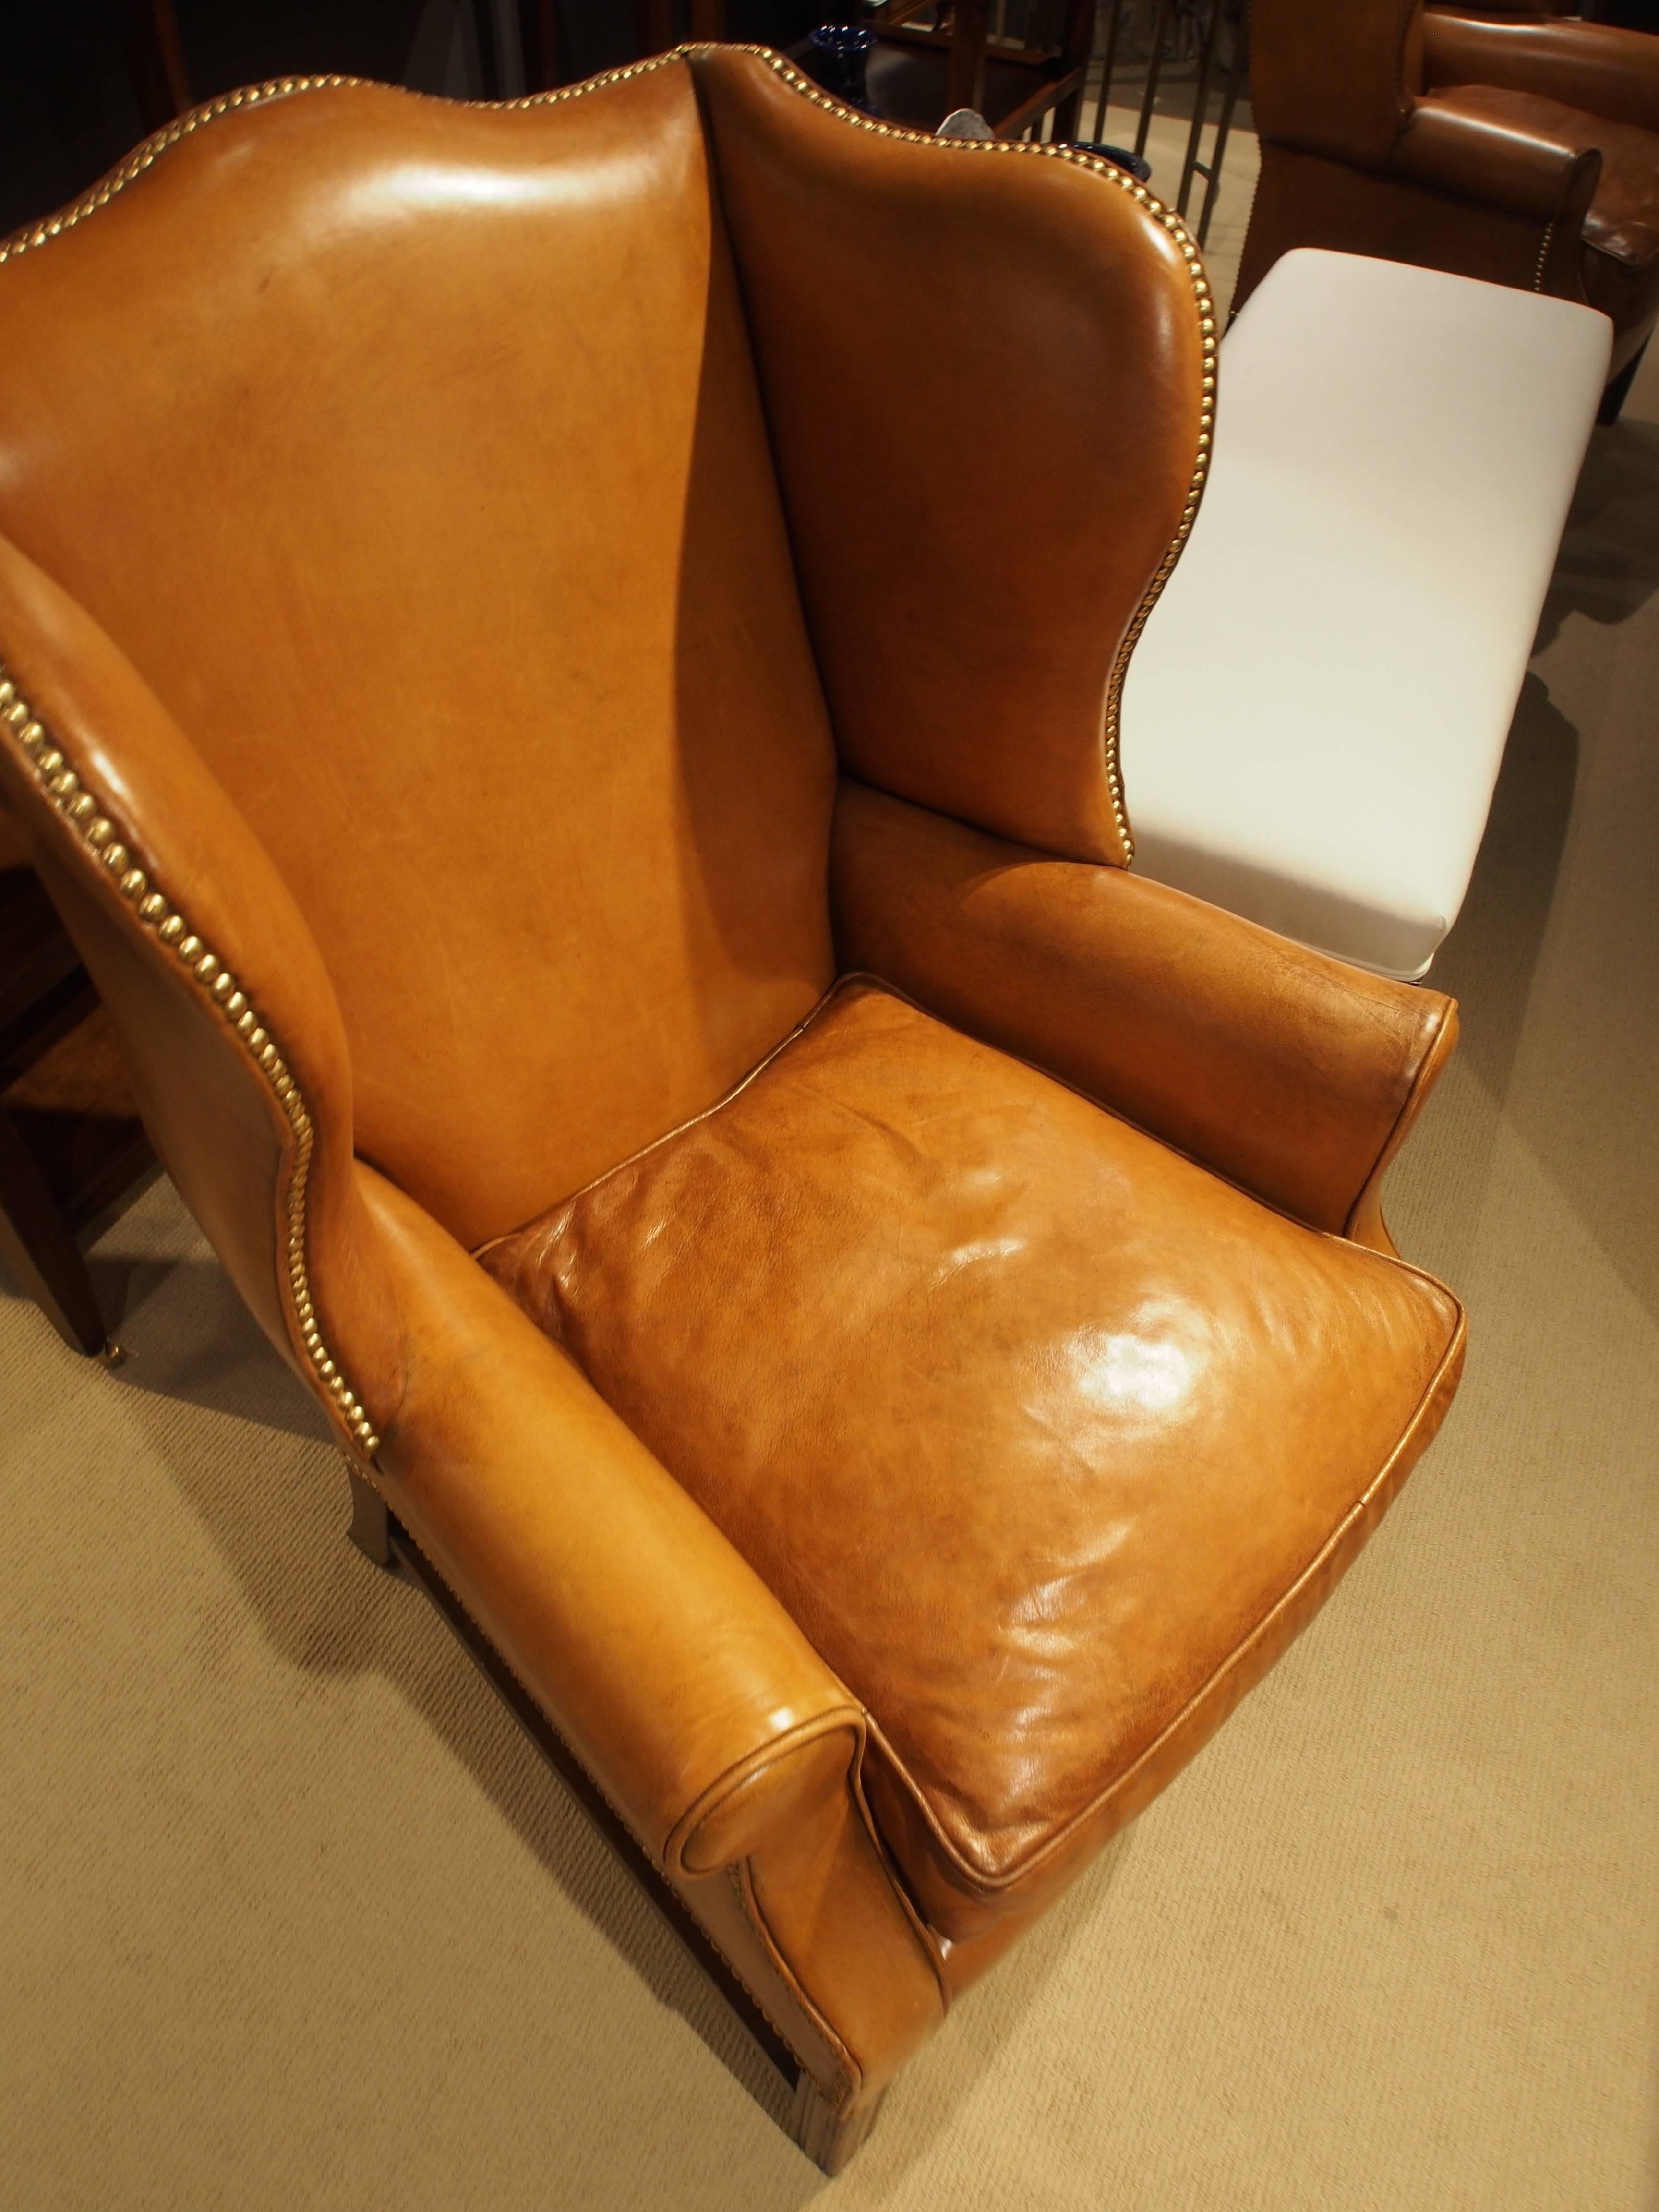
<point x="1395" y="454"/>
<point x="1049" y="1439"/>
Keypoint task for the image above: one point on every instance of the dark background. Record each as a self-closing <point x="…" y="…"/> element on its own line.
<point x="69" y="111"/>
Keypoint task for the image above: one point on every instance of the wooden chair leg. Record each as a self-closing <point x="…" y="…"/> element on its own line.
<point x="37" y="1245"/>
<point x="371" y="1524"/>
<point x="654" y="26"/>
<point x="547" y="60"/>
<point x="970" y="35"/>
<point x="155" y="59"/>
<point x="827" y="2141"/>
<point x="1618" y="390"/>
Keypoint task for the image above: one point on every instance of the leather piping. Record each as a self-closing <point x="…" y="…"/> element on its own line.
<point x="981" y="1882"/>
<point x="742" y="1881"/>
<point x="99" y="195"/>
<point x="678" y="1852"/>
<point x="155" y="912"/>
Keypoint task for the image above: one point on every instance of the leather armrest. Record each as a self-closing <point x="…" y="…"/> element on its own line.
<point x="1598" y="68"/>
<point x="1289" y="1072"/>
<point x="1474" y="150"/>
<point x="673" y="1673"/>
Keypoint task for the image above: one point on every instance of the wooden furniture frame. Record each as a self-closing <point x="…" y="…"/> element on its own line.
<point x="981" y="64"/>
<point x="974" y="43"/>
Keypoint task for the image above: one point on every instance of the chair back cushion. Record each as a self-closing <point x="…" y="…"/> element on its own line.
<point x="412" y="453"/>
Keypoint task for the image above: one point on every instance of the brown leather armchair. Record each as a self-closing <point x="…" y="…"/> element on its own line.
<point x="875" y="1322"/>
<point x="1522" y="149"/>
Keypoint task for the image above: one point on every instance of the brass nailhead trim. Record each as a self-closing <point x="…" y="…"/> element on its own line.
<point x="284" y="88"/>
<point x="1203" y="300"/>
<point x="153" y="911"/>
<point x="253" y="96"/>
<point x="1543" y="257"/>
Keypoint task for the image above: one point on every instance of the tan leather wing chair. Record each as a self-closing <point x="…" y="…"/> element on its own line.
<point x="601" y="832"/>
<point x="1520" y="148"/>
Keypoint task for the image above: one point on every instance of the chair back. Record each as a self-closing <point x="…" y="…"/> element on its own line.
<point x="412" y="453"/>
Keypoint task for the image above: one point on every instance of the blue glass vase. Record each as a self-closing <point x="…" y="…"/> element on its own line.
<point x="839" y="62"/>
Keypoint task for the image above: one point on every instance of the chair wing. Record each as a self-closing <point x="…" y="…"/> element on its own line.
<point x="987" y="374"/>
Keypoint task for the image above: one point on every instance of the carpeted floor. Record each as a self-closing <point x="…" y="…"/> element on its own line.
<point x="290" y="1917"/>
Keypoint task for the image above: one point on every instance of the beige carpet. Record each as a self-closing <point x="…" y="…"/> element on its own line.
<point x="290" y="1917"/>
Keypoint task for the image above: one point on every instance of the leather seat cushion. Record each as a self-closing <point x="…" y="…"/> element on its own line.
<point x="1623" y="222"/>
<point x="1048" y="1438"/>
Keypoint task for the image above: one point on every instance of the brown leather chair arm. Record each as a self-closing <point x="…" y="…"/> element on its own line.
<point x="1453" y="145"/>
<point x="225" y="1013"/>
<point x="1597" y="68"/>
<point x="673" y="1673"/>
<point x="1287" y="1072"/>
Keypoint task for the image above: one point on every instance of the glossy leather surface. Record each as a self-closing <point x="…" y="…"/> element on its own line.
<point x="1308" y="200"/>
<point x="1600" y="68"/>
<point x="211" y="1116"/>
<point x="1486" y="146"/>
<point x="413" y="455"/>
<point x="966" y="602"/>
<point x="1623" y="220"/>
<point x="1026" y="1420"/>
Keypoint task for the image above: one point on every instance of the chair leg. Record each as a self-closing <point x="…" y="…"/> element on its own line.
<point x="371" y="1524"/>
<point x="827" y="2141"/>
<point x="37" y="1245"/>
<point x="1618" y="390"/>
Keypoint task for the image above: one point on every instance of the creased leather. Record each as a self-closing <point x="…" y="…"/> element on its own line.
<point x="1030" y="1423"/>
<point x="1285" y="1070"/>
<point x="1598" y="69"/>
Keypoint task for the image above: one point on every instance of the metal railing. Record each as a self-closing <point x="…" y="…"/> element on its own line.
<point x="1213" y="36"/>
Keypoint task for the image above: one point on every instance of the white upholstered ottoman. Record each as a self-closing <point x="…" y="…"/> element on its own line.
<point x="1314" y="716"/>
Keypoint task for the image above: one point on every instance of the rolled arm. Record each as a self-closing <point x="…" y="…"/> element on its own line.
<point x="1465" y="144"/>
<point x="1598" y="68"/>
<point x="1290" y="1073"/>
<point x="673" y="1673"/>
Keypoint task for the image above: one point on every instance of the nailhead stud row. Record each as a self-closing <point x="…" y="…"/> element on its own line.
<point x="156" y="913"/>
<point x="284" y="88"/>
